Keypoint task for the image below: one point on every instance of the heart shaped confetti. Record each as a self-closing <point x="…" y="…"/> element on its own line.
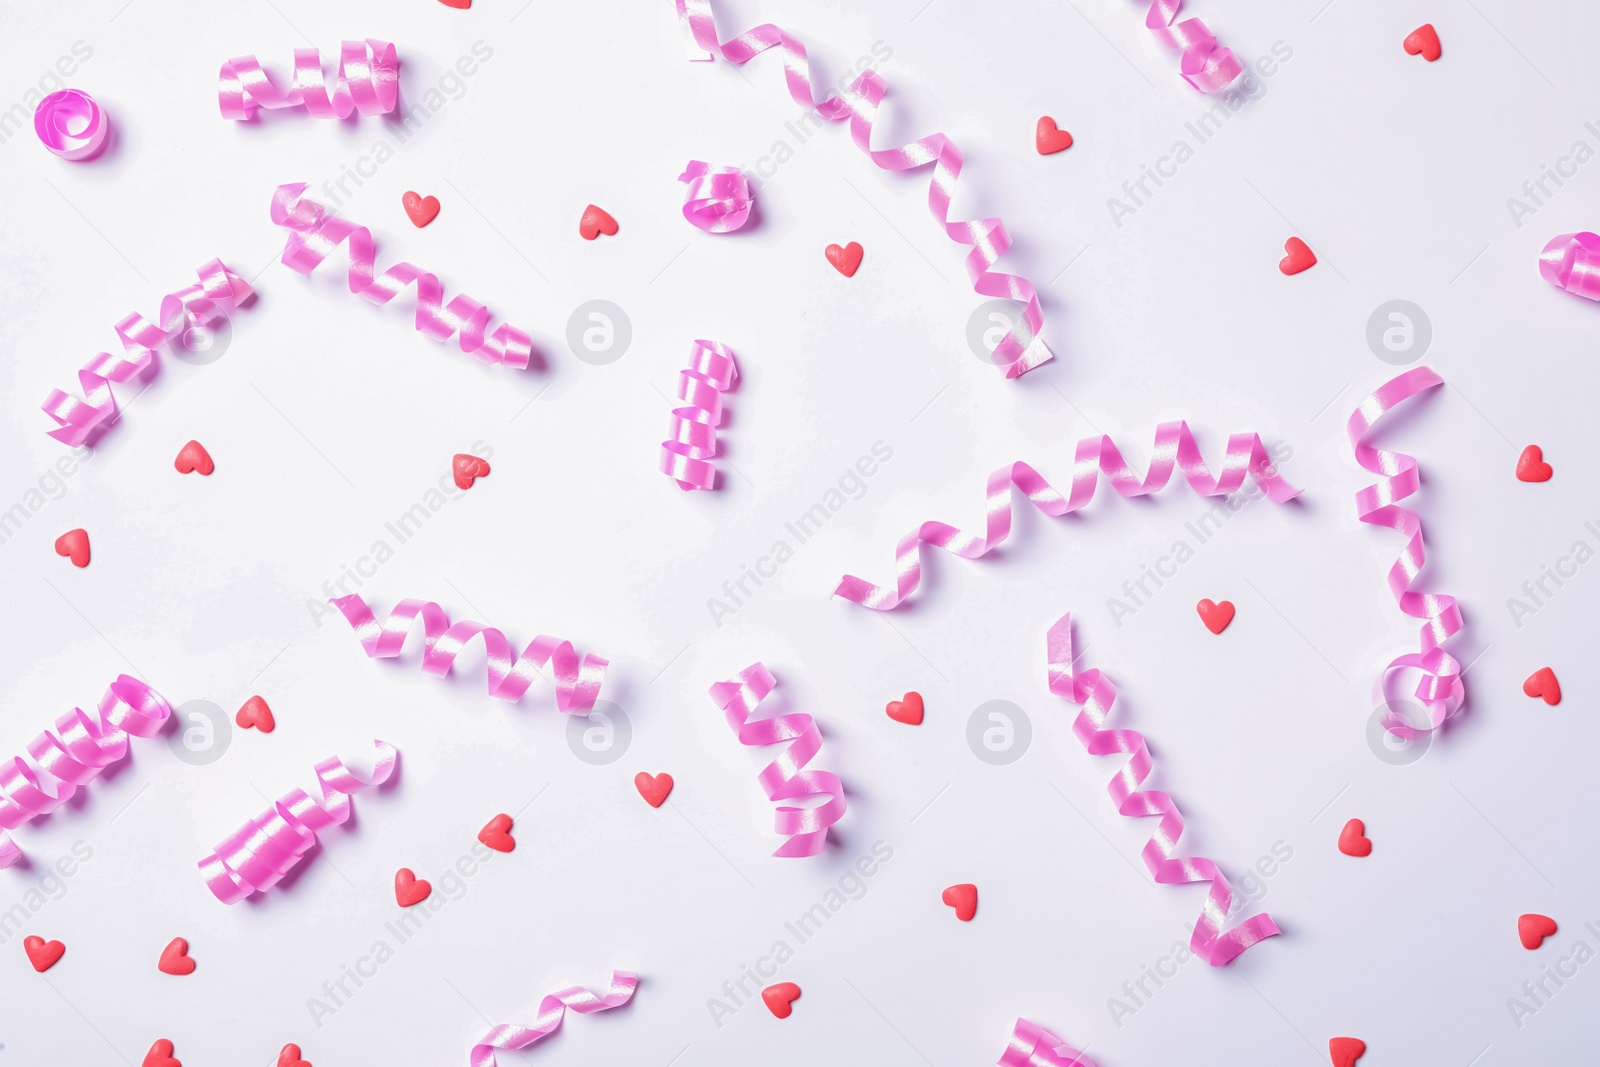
<point x="963" y="898"/>
<point x="496" y="833"/>
<point x="780" y="998"/>
<point x="41" y="953"/>
<point x="1215" y="616"/>
<point x="289" y="1055"/>
<point x="459" y="5"/>
<point x="595" y="221"/>
<point x="1353" y="840"/>
<point x="409" y="889"/>
<point x="255" y="714"/>
<point x="1298" y="257"/>
<point x="1542" y="683"/>
<point x="194" y="457"/>
<point x="175" y="958"/>
<point x="160" y="1055"/>
<point x="1423" y="41"/>
<point x="907" y="710"/>
<point x="467" y="469"/>
<point x="1533" y="928"/>
<point x="74" y="544"/>
<point x="655" y="790"/>
<point x="1049" y="139"/>
<point x="845" y="260"/>
<point x="421" y="210"/>
<point x="1345" y="1051"/>
<point x="1531" y="466"/>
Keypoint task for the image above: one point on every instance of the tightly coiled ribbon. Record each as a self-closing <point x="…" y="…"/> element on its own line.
<point x="1097" y="695"/>
<point x="858" y="105"/>
<point x="74" y="754"/>
<point x="1572" y="262"/>
<point x="255" y="857"/>
<point x="1441" y="689"/>
<point x="552" y="1009"/>
<point x="718" y="198"/>
<point x="687" y="456"/>
<point x="315" y="233"/>
<point x="1175" y="448"/>
<point x="369" y="82"/>
<point x="785" y="778"/>
<point x="1031" y="1045"/>
<point x="577" y="682"/>
<point x="71" y="124"/>
<point x="1205" y="63"/>
<point x="202" y="305"/>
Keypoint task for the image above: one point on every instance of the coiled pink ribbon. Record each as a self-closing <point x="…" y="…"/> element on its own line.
<point x="1441" y="689"/>
<point x="255" y="857"/>
<point x="718" y="198"/>
<point x="785" y="777"/>
<point x="577" y="683"/>
<point x="71" y="124"/>
<point x="552" y="1009"/>
<point x="859" y="105"/>
<point x="1572" y="262"/>
<point x="1098" y="696"/>
<point x="369" y="82"/>
<point x="314" y="235"/>
<point x="687" y="456"/>
<point x="1204" y="64"/>
<point x="1175" y="448"/>
<point x="203" y="305"/>
<point x="1031" y="1045"/>
<point x="74" y="754"/>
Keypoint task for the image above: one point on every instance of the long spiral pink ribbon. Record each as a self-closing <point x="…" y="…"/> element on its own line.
<point x="785" y="778"/>
<point x="687" y="455"/>
<point x="74" y="754"/>
<point x="858" y="104"/>
<point x="368" y="81"/>
<point x="552" y="1009"/>
<point x="577" y="681"/>
<point x="1031" y="1045"/>
<point x="1175" y="448"/>
<point x="1571" y="261"/>
<point x="1204" y="63"/>
<point x="315" y="233"/>
<point x="203" y="304"/>
<point x="255" y="857"/>
<point x="1097" y="695"/>
<point x="70" y="124"/>
<point x="1441" y="688"/>
<point x="718" y="199"/>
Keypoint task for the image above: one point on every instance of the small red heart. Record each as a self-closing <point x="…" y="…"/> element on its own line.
<point x="420" y="209"/>
<point x="654" y="790"/>
<point x="41" y="953"/>
<point x="160" y="1055"/>
<point x="1531" y="466"/>
<point x="1215" y="616"/>
<point x="845" y="260"/>
<point x="496" y="833"/>
<point x="1424" y="41"/>
<point x="175" y="958"/>
<point x="467" y="469"/>
<point x="1299" y="258"/>
<point x="1048" y="139"/>
<point x="963" y="898"/>
<point x="255" y="713"/>
<point x="75" y="545"/>
<point x="408" y="890"/>
<point x="290" y="1055"/>
<point x="1353" y="840"/>
<point x="194" y="457"/>
<point x="595" y="222"/>
<point x="908" y="710"/>
<point x="1534" y="928"/>
<point x="780" y="998"/>
<point x="1345" y="1051"/>
<point x="1542" y="683"/>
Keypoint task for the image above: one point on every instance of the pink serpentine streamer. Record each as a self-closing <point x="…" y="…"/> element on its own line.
<point x="1441" y="688"/>
<point x="1571" y="261"/>
<point x="202" y="304"/>
<point x="859" y="105"/>
<point x="785" y="777"/>
<point x="255" y="857"/>
<point x="718" y="198"/>
<point x="687" y="455"/>
<point x="369" y="82"/>
<point x="74" y="754"/>
<point x="552" y="1009"/>
<point x="1204" y="64"/>
<point x="1097" y="694"/>
<point x="1175" y="447"/>
<point x="577" y="682"/>
<point x="70" y="124"/>
<point x="315" y="233"/>
<point x="1031" y="1045"/>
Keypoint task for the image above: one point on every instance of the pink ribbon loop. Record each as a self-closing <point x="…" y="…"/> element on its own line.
<point x="1204" y="63"/>
<point x="509" y="1037"/>
<point x="1571" y="261"/>
<point x="1175" y="449"/>
<point x="718" y="199"/>
<point x="70" y="124"/>
<point x="1031" y="1045"/>
<point x="368" y="82"/>
<point x="1097" y="695"/>
<point x="687" y="456"/>
<point x="785" y="778"/>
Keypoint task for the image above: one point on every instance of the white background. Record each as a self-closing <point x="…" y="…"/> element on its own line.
<point x="328" y="417"/>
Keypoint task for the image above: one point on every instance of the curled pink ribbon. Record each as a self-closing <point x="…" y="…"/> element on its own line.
<point x="1097" y="695"/>
<point x="552" y="1009"/>
<point x="718" y="198"/>
<point x="1571" y="261"/>
<point x="255" y="857"/>
<point x="687" y="456"/>
<point x="1204" y="64"/>
<point x="1441" y="688"/>
<point x="71" y="124"/>
<point x="369" y="82"/>
<point x="577" y="682"/>
<point x="1031" y="1045"/>
<point x="858" y="104"/>
<point x="315" y="233"/>
<point x="785" y="777"/>
<point x="1175" y="447"/>
<point x="74" y="754"/>
<point x="202" y="305"/>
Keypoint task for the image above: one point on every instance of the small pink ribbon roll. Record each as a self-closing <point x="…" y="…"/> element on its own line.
<point x="369" y="82"/>
<point x="718" y="198"/>
<point x="1031" y="1045"/>
<point x="1204" y="64"/>
<point x="552" y="1009"/>
<point x="1572" y="262"/>
<point x="687" y="456"/>
<point x="71" y="124"/>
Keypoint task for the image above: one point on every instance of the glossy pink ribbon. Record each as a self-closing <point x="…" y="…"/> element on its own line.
<point x="1097" y="695"/>
<point x="369" y="82"/>
<point x="552" y="1009"/>
<point x="577" y="682"/>
<point x="1441" y="688"/>
<point x="1175" y="448"/>
<point x="1571" y="261"/>
<point x="785" y="778"/>
<point x="1031" y="1045"/>
<point x="316" y="233"/>
<point x="687" y="455"/>
<point x="1204" y="63"/>
<point x="74" y="754"/>
<point x="203" y="304"/>
<point x="255" y="857"/>
<point x="718" y="198"/>
<point x="858" y="105"/>
<point x="71" y="124"/>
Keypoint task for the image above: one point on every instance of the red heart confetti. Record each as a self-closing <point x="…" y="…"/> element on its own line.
<point x="1299" y="257"/>
<point x="74" y="544"/>
<point x="1345" y="1051"/>
<point x="963" y="898"/>
<point x="496" y="833"/>
<point x="1215" y="616"/>
<point x="595" y="221"/>
<point x="1048" y="139"/>
<point x="1423" y="41"/>
<point x="194" y="457"/>
<point x="907" y="710"/>
<point x="1353" y="840"/>
<point x="780" y="998"/>
<point x="409" y="889"/>
<point x="421" y="210"/>
<point x="654" y="790"/>
<point x="845" y="260"/>
<point x="467" y="469"/>
<point x="41" y="953"/>
<point x="289" y="1056"/>
<point x="1534" y="928"/>
<point x="255" y="713"/>
<point x="1542" y="683"/>
<point x="175" y="958"/>
<point x="160" y="1055"/>
<point x="1531" y="466"/>
<point x="459" y="5"/>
